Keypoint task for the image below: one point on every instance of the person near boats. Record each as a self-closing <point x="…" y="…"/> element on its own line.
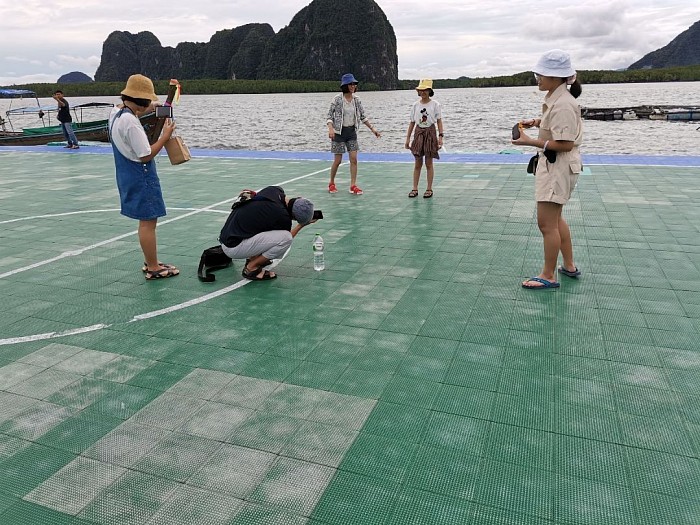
<point x="344" y="118"/>
<point x="137" y="179"/>
<point x="260" y="230"/>
<point x="65" y="120"/>
<point x="426" y="116"/>
<point x="558" y="163"/>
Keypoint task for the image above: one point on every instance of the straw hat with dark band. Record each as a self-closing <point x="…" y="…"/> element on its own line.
<point x="139" y="86"/>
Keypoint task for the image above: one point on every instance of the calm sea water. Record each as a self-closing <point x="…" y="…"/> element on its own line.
<point x="476" y="120"/>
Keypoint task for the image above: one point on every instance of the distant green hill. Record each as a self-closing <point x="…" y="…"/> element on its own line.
<point x="684" y="50"/>
<point x="222" y="87"/>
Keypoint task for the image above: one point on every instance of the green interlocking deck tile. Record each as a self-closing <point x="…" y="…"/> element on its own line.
<point x="190" y="505"/>
<point x="352" y="498"/>
<point x="270" y="367"/>
<point x="423" y="367"/>
<point x="660" y="508"/>
<point x="478" y="353"/>
<point x="266" y="432"/>
<point x="577" y="391"/>
<point x="473" y="375"/>
<point x="377" y="359"/>
<point x="465" y="401"/>
<point x="6" y="501"/>
<point x="649" y="402"/>
<point x="444" y="471"/>
<point x="418" y="506"/>
<point x="664" y="473"/>
<point x="254" y="514"/>
<point x="591" y="502"/>
<point x="588" y="422"/>
<point x="665" y="435"/>
<point x="519" y="445"/>
<point x="361" y="383"/>
<point x="536" y="386"/>
<point x="78" y="433"/>
<point x="28" y="513"/>
<point x="457" y="432"/>
<point x="512" y="487"/>
<point x="293" y="485"/>
<point x="29" y="467"/>
<point x="132" y="499"/>
<point x="485" y="515"/>
<point x="177" y="457"/>
<point x="590" y="459"/>
<point x="160" y="376"/>
<point x="409" y="391"/>
<point x="538" y="414"/>
<point x="397" y="421"/>
<point x="315" y="375"/>
<point x="633" y="353"/>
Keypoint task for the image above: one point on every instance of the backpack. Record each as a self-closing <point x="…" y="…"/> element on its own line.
<point x="214" y="258"/>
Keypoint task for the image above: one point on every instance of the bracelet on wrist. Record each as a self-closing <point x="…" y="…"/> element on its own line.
<point x="544" y="148"/>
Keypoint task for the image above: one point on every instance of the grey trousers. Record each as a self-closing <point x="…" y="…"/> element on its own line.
<point x="272" y="245"/>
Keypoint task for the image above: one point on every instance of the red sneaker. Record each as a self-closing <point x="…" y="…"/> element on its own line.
<point x="355" y="190"/>
<point x="332" y="188"/>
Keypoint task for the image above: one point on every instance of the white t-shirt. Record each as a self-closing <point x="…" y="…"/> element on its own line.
<point x="128" y="135"/>
<point x="425" y="115"/>
<point x="348" y="113"/>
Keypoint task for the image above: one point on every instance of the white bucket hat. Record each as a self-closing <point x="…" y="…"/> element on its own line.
<point x="555" y="63"/>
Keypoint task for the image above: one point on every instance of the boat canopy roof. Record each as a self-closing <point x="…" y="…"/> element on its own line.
<point x="29" y="110"/>
<point x="16" y="93"/>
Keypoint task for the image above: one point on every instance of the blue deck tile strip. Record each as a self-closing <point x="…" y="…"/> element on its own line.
<point x="466" y="158"/>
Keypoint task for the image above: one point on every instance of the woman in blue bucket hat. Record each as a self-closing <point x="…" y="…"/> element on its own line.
<point x="344" y="117"/>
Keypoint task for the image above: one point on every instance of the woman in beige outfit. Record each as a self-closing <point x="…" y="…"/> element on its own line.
<point x="559" y="163"/>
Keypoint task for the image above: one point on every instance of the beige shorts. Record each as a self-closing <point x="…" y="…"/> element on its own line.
<point x="555" y="183"/>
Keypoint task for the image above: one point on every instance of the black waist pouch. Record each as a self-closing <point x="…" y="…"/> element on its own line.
<point x="532" y="165"/>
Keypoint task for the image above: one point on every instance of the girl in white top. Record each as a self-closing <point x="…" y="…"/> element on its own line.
<point x="426" y="115"/>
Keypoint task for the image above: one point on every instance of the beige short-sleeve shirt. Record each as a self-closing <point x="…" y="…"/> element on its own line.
<point x="561" y="120"/>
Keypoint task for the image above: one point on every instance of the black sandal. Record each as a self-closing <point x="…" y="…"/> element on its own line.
<point x="252" y="275"/>
<point x="414" y="193"/>
<point x="144" y="269"/>
<point x="428" y="194"/>
<point x="163" y="273"/>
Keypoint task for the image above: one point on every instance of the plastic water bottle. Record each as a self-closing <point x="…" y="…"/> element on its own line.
<point x="319" y="261"/>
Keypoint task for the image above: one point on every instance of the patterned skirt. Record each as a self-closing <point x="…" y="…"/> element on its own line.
<point x="425" y="142"/>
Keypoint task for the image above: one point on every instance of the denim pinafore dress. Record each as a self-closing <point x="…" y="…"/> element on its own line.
<point x="139" y="188"/>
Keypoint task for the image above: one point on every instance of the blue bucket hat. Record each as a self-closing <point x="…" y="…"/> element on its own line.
<point x="348" y="78"/>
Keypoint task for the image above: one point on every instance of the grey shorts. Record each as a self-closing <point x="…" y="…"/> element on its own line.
<point x="346" y="140"/>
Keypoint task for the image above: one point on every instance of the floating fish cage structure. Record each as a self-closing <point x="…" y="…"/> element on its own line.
<point x="678" y="113"/>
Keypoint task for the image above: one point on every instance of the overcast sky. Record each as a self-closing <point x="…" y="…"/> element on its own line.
<point x="42" y="40"/>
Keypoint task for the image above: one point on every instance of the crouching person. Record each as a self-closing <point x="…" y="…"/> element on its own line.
<point x="261" y="230"/>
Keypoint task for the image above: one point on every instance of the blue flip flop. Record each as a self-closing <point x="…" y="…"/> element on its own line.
<point x="566" y="272"/>
<point x="545" y="284"/>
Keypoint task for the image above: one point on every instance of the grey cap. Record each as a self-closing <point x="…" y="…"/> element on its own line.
<point x="303" y="210"/>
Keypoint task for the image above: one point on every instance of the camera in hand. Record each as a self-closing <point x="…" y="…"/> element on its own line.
<point x="318" y="214"/>
<point x="164" y="112"/>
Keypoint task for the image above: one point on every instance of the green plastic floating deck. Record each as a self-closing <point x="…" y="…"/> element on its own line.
<point x="413" y="382"/>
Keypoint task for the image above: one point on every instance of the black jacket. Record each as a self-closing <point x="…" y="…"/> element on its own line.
<point x="267" y="211"/>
